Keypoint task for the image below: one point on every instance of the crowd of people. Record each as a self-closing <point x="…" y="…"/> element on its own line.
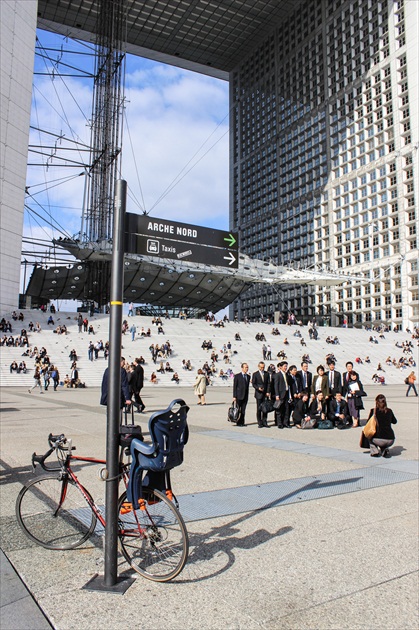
<point x="298" y="397"/>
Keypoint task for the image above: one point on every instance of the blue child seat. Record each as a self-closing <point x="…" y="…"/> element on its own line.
<point x="169" y="433"/>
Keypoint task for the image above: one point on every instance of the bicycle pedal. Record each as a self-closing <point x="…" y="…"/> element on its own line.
<point x="169" y="495"/>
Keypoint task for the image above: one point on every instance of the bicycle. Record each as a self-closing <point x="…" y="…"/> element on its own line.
<point x="57" y="512"/>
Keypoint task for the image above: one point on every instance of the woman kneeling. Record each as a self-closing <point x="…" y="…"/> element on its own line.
<point x="384" y="436"/>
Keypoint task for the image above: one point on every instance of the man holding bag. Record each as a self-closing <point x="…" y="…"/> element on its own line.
<point x="241" y="392"/>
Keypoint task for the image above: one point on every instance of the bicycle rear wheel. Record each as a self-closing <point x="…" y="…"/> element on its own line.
<point x="54" y="513"/>
<point x="153" y="540"/>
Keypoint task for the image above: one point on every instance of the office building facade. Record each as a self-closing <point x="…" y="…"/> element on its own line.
<point x="324" y="142"/>
<point x="324" y="136"/>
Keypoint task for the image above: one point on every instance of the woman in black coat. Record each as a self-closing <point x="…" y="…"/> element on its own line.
<point x="317" y="409"/>
<point x="384" y="436"/>
<point x="301" y="410"/>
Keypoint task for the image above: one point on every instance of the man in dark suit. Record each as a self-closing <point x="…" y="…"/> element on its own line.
<point x="137" y="384"/>
<point x="339" y="412"/>
<point x="306" y="377"/>
<point x="282" y="392"/>
<point x="334" y="379"/>
<point x="261" y="383"/>
<point x="295" y="383"/>
<point x="241" y="392"/>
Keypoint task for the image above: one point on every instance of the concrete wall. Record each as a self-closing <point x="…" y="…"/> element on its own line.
<point x="17" y="41"/>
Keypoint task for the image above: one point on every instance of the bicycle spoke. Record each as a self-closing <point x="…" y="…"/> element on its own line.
<point x="54" y="513"/>
<point x="154" y="540"/>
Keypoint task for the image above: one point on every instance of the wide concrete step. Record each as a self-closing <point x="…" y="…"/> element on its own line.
<point x="186" y="338"/>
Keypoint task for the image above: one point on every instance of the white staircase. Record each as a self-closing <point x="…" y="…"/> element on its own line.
<point x="186" y="338"/>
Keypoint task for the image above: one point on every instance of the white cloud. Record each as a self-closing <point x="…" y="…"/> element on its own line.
<point x="171" y="115"/>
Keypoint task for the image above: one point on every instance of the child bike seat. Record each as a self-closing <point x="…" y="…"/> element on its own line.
<point x="169" y="433"/>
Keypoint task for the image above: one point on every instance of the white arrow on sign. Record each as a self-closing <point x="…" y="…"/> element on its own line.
<point x="231" y="258"/>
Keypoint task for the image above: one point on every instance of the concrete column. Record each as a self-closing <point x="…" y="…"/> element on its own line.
<point x="17" y="48"/>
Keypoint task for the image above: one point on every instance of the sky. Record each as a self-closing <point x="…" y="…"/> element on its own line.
<point x="175" y="142"/>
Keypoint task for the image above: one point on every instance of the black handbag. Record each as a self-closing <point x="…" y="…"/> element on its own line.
<point x="267" y="406"/>
<point x="325" y="424"/>
<point x="233" y="414"/>
<point x="277" y="404"/>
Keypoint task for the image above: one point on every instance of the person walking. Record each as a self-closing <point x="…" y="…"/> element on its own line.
<point x="241" y="384"/>
<point x="410" y="382"/>
<point x="130" y="309"/>
<point x="200" y="387"/>
<point x="47" y="377"/>
<point x="55" y="375"/>
<point x="133" y="330"/>
<point x="384" y="436"/>
<point x="37" y="377"/>
<point x="138" y="384"/>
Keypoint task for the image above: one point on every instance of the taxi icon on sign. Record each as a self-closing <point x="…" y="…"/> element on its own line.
<point x="153" y="247"/>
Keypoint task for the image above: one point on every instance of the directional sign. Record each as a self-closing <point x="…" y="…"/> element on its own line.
<point x="168" y="239"/>
<point x="178" y="250"/>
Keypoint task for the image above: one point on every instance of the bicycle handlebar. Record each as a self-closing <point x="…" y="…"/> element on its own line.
<point x="40" y="459"/>
<point x="56" y="442"/>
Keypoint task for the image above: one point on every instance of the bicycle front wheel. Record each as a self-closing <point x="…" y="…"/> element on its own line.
<point x="54" y="513"/>
<point x="153" y="540"/>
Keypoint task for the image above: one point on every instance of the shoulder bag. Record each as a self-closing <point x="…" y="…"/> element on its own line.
<point x="370" y="428"/>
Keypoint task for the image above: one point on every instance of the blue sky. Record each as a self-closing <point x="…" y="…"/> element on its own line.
<point x="175" y="144"/>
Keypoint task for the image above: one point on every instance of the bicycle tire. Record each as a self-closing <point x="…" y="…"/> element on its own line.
<point x="158" y="552"/>
<point x="36" y="507"/>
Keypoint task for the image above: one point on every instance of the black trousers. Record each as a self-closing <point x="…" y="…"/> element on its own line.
<point x="138" y="399"/>
<point x="346" y="423"/>
<point x="242" y="404"/>
<point x="262" y="418"/>
<point x="282" y="415"/>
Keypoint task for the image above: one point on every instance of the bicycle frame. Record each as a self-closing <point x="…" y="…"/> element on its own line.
<point x="90" y="501"/>
<point x="67" y="472"/>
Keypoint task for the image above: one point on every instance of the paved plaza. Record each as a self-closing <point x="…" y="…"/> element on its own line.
<point x="288" y="529"/>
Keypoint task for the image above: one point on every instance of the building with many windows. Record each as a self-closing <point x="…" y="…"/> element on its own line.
<point x="324" y="135"/>
<point x="324" y="158"/>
